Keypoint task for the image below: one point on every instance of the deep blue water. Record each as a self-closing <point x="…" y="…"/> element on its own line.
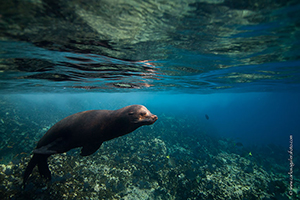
<point x="229" y="70"/>
<point x="250" y="118"/>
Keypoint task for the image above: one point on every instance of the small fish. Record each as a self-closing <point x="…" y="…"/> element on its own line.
<point x="2" y="121"/>
<point x="207" y="117"/>
<point x="171" y="161"/>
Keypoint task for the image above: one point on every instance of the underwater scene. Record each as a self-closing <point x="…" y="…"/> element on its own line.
<point x="155" y="99"/>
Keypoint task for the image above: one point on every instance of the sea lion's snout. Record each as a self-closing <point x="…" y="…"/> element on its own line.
<point x="150" y="120"/>
<point x="154" y="118"/>
<point x="141" y="115"/>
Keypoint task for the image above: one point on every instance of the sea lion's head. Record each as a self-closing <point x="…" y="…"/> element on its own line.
<point x="140" y="115"/>
<point x="129" y="118"/>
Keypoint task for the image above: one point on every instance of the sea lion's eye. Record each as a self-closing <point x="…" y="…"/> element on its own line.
<point x="143" y="114"/>
<point x="130" y="113"/>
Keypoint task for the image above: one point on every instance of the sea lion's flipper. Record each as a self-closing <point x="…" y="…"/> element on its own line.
<point x="32" y="163"/>
<point x="41" y="161"/>
<point x="43" y="167"/>
<point x="89" y="149"/>
<point x="44" y="150"/>
<point x="57" y="146"/>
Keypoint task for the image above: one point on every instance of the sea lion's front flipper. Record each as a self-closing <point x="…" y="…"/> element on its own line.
<point x="90" y="149"/>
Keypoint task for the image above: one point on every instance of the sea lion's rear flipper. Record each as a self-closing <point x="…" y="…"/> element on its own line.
<point x="32" y="163"/>
<point x="89" y="149"/>
<point x="56" y="146"/>
<point x="41" y="161"/>
<point x="44" y="150"/>
<point x="43" y="167"/>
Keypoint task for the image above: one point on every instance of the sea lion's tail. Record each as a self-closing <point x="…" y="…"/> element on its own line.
<point x="41" y="161"/>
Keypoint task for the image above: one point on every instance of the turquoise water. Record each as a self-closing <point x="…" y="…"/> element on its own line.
<point x="222" y="76"/>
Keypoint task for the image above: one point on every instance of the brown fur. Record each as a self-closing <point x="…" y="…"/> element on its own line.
<point x="88" y="129"/>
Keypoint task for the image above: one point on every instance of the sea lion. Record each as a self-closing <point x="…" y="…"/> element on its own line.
<point x="88" y="129"/>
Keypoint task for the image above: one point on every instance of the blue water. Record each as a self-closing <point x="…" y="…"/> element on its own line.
<point x="251" y="118"/>
<point x="224" y="70"/>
